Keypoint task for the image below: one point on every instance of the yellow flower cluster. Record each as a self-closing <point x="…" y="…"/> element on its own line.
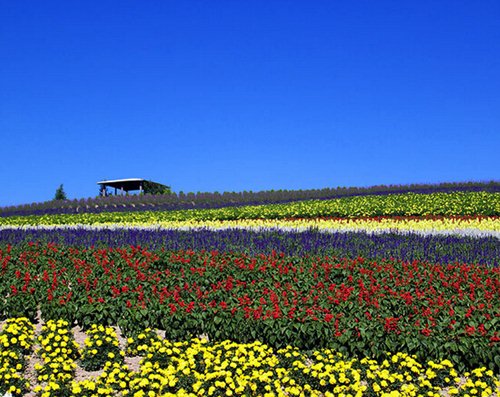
<point x="101" y="346"/>
<point x="476" y="383"/>
<point x="114" y="380"/>
<point x="16" y="340"/>
<point x="17" y="334"/>
<point x="58" y="352"/>
<point x="404" y="374"/>
<point x="139" y="344"/>
<point x="202" y="368"/>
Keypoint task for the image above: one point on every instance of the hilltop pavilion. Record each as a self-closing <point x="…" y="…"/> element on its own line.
<point x="130" y="184"/>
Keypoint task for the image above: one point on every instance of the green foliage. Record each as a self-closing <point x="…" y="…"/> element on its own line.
<point x="60" y="194"/>
<point x="150" y="187"/>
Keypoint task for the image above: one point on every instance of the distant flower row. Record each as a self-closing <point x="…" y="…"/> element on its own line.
<point x="180" y="201"/>
<point x="433" y="247"/>
<point x="381" y="224"/>
<point x="471" y="225"/>
<point x="198" y="367"/>
<point x="410" y="204"/>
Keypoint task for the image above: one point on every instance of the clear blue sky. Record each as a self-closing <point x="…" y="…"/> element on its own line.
<point x="246" y="95"/>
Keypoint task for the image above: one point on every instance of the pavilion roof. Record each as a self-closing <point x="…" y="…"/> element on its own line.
<point x="127" y="184"/>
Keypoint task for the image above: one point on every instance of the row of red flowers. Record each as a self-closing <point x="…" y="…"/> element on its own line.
<point x="352" y="305"/>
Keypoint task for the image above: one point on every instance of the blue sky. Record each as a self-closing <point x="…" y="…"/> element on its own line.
<point x="246" y="95"/>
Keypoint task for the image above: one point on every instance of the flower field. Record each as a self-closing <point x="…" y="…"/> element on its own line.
<point x="480" y="225"/>
<point x="389" y="295"/>
<point x="198" y="367"/>
<point x="179" y="201"/>
<point x="409" y="204"/>
<point x="432" y="247"/>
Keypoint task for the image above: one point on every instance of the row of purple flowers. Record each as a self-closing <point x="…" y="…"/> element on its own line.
<point x="408" y="246"/>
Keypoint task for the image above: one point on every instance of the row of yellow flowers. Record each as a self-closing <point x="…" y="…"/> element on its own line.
<point x="441" y="224"/>
<point x="482" y="224"/>
<point x="404" y="224"/>
<point x="410" y="204"/>
<point x="199" y="368"/>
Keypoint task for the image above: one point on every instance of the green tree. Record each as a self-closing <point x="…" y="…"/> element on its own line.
<point x="60" y="194"/>
<point x="155" y="188"/>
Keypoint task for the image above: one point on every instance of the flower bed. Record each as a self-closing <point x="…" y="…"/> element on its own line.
<point x="354" y="306"/>
<point x="178" y="201"/>
<point x="409" y="204"/>
<point x="429" y="224"/>
<point x="198" y="367"/>
<point x="368" y="313"/>
<point x="408" y="247"/>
